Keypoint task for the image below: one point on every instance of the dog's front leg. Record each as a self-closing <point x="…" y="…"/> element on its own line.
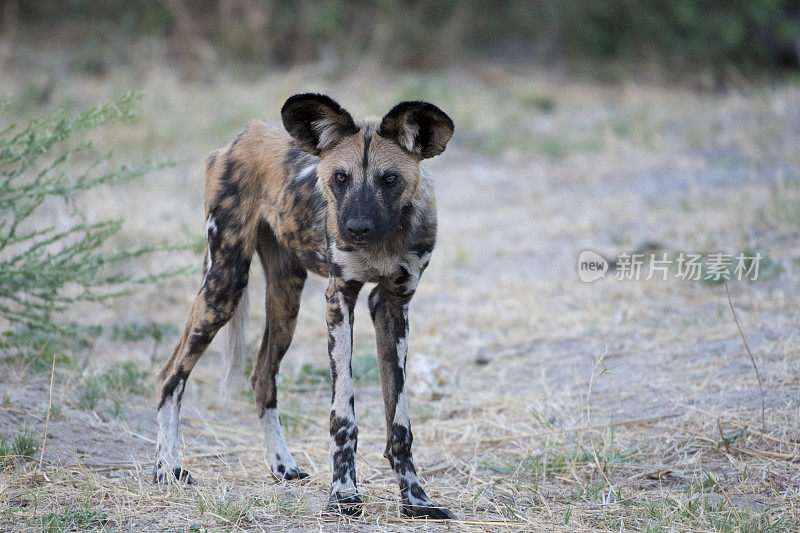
<point x="341" y="298"/>
<point x="389" y="311"/>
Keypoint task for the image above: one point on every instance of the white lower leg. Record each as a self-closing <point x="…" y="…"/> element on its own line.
<point x="168" y="436"/>
<point x="280" y="460"/>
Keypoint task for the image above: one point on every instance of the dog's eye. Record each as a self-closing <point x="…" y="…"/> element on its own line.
<point x="390" y="178"/>
<point x="341" y="177"/>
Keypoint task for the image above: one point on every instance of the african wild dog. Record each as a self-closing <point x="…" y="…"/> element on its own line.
<point x="348" y="201"/>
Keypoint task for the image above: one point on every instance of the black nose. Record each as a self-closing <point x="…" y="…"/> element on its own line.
<point x="360" y="228"/>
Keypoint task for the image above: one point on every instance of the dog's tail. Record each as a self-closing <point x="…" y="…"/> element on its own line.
<point x="234" y="353"/>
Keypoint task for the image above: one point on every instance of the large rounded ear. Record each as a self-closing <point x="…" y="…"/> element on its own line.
<point x="422" y="129"/>
<point x="316" y="121"/>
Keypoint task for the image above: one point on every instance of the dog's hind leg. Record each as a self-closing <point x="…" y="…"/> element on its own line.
<point x="285" y="281"/>
<point x="224" y="281"/>
<point x="230" y="242"/>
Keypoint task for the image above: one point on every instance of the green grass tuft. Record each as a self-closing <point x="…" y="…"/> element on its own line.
<point x="73" y="520"/>
<point x="698" y="512"/>
<point x="559" y="457"/>
<point x="23" y="445"/>
<point x="125" y="378"/>
<point x="231" y="510"/>
<point x="5" y="450"/>
<point x="89" y="395"/>
<point x="114" y="384"/>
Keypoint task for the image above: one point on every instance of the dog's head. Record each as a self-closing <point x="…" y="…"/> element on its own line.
<point x="368" y="170"/>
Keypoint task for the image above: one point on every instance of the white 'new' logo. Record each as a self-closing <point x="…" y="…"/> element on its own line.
<point x="591" y="266"/>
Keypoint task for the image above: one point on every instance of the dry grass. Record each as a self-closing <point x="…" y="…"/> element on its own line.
<point x="530" y="433"/>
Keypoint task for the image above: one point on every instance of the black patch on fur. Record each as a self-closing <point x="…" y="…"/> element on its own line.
<point x="344" y="431"/>
<point x="296" y="159"/>
<point x="336" y="315"/>
<point x="270" y="403"/>
<point x="399" y="323"/>
<point x="171" y="384"/>
<point x="331" y="344"/>
<point x="399" y="382"/>
<point x="367" y="141"/>
<point x="373" y="301"/>
<point x="344" y="465"/>
<point x="229" y="187"/>
<point x="199" y="339"/>
<point x="350" y="292"/>
<point x="334" y="372"/>
<point x="304" y="189"/>
<point x="294" y="473"/>
<point x="345" y="503"/>
<point x="183" y="476"/>
<point x="430" y="512"/>
<point x="336" y="270"/>
<point x="417" y="492"/>
<point x="230" y="268"/>
<point x="401" y="440"/>
<point x="398" y="452"/>
<point x="403" y="277"/>
<point x="160" y="475"/>
<point x="423" y="248"/>
<point x="404" y="221"/>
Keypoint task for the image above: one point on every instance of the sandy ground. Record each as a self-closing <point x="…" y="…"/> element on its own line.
<point x="522" y="429"/>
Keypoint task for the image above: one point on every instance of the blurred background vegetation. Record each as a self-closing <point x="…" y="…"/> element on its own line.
<point x="753" y="37"/>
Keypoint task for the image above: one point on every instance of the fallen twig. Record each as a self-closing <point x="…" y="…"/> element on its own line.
<point x="49" y="409"/>
<point x="752" y="359"/>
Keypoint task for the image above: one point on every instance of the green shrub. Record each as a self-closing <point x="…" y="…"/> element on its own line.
<point x="44" y="271"/>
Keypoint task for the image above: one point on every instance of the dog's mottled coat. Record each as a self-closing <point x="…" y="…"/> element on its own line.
<point x="344" y="200"/>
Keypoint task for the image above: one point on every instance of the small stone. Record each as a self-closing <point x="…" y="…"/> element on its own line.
<point x="482" y="358"/>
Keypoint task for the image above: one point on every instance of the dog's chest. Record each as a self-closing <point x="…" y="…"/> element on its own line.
<point x="399" y="269"/>
<point x="364" y="266"/>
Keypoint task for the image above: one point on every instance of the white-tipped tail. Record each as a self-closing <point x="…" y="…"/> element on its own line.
<point x="235" y="350"/>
